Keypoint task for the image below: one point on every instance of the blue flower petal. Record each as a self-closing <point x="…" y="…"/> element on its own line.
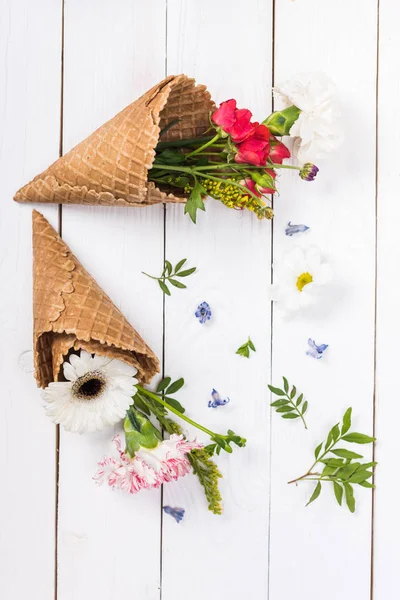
<point x="314" y="350"/>
<point x="203" y="312"/>
<point x="216" y="400"/>
<point x="175" y="512"/>
<point x="292" y="229"/>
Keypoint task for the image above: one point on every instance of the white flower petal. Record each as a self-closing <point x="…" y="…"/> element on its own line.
<point x="69" y="372"/>
<point x="79" y="365"/>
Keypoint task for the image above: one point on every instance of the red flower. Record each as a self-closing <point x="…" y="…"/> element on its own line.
<point x="278" y="151"/>
<point x="255" y="149"/>
<point x="224" y="116"/>
<point x="234" y="121"/>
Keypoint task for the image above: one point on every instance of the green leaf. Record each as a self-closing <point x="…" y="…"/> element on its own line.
<point x="346" y="422"/>
<point x="171" y="157"/>
<point x="327" y="470"/>
<point x="186" y="273"/>
<point x="251" y="345"/>
<point x="335" y="432"/>
<point x="175" y="386"/>
<point x="367" y="484"/>
<point x="299" y="400"/>
<point x="338" y="492"/>
<point x="368" y="465"/>
<point x="195" y="201"/>
<point x="343" y="453"/>
<point x="358" y="438"/>
<point x="243" y="351"/>
<point x="280" y="122"/>
<point x="164" y="383"/>
<point x="315" y="493"/>
<point x="328" y="440"/>
<point x="279" y="403"/>
<point x="318" y="450"/>
<point x="347" y="471"/>
<point x="138" y="402"/>
<point x="333" y="462"/>
<point x="174" y="403"/>
<point x="290" y="415"/>
<point x="304" y="408"/>
<point x="285" y="409"/>
<point x="180" y="264"/>
<point x="177" y="284"/>
<point x="293" y="392"/>
<point x="167" y="267"/>
<point x="285" y="385"/>
<point x="276" y="391"/>
<point x="168" y="126"/>
<point x="360" y="476"/>
<point x="350" y="501"/>
<point x="164" y="287"/>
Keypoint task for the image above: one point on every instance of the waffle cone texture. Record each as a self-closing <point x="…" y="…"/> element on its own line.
<point x="110" y="167"/>
<point x="71" y="312"/>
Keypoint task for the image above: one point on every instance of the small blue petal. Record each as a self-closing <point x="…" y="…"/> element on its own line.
<point x="216" y="400"/>
<point x="292" y="229"/>
<point x="314" y="350"/>
<point x="175" y="512"/>
<point x="203" y="312"/>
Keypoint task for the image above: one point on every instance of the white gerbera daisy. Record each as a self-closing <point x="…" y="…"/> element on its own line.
<point x="97" y="393"/>
<point x="318" y="130"/>
<point x="299" y="278"/>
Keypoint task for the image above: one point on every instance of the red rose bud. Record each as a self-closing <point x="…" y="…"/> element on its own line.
<point x="259" y="184"/>
<point x="255" y="149"/>
<point x="278" y="151"/>
<point x="309" y="172"/>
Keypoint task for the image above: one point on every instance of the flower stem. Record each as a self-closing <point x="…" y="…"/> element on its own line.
<point x="151" y="276"/>
<point x="173" y="410"/>
<point x="206" y="145"/>
<point x="179" y="143"/>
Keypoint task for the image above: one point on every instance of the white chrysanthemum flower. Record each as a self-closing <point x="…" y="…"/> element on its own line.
<point x="318" y="130"/>
<point x="299" y="278"/>
<point x="97" y="393"/>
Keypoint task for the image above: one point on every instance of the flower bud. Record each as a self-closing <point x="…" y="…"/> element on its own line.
<point x="309" y="172"/>
<point x="281" y="121"/>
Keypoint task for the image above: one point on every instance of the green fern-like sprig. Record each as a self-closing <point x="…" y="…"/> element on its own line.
<point x="208" y="473"/>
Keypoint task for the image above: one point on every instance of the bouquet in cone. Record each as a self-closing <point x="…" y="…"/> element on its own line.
<point x="92" y="365"/>
<point x="174" y="145"/>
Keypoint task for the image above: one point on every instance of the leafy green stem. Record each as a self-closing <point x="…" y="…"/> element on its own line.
<point x="158" y="399"/>
<point x="204" y="146"/>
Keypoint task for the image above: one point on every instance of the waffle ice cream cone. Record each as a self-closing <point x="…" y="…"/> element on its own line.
<point x="71" y="312"/>
<point x="110" y="166"/>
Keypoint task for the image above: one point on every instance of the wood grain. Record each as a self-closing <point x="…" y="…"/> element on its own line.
<point x="29" y="140"/>
<point x="386" y="525"/>
<point x="339" y="207"/>
<point x="109" y="543"/>
<point x="231" y="251"/>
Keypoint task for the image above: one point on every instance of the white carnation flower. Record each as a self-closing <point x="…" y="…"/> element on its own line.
<point x="318" y="130"/>
<point x="299" y="277"/>
<point x="97" y="393"/>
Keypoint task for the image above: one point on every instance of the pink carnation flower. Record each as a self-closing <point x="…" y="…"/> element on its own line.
<point x="149" y="468"/>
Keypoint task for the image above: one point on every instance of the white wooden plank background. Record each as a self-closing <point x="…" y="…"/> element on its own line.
<point x="266" y="545"/>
